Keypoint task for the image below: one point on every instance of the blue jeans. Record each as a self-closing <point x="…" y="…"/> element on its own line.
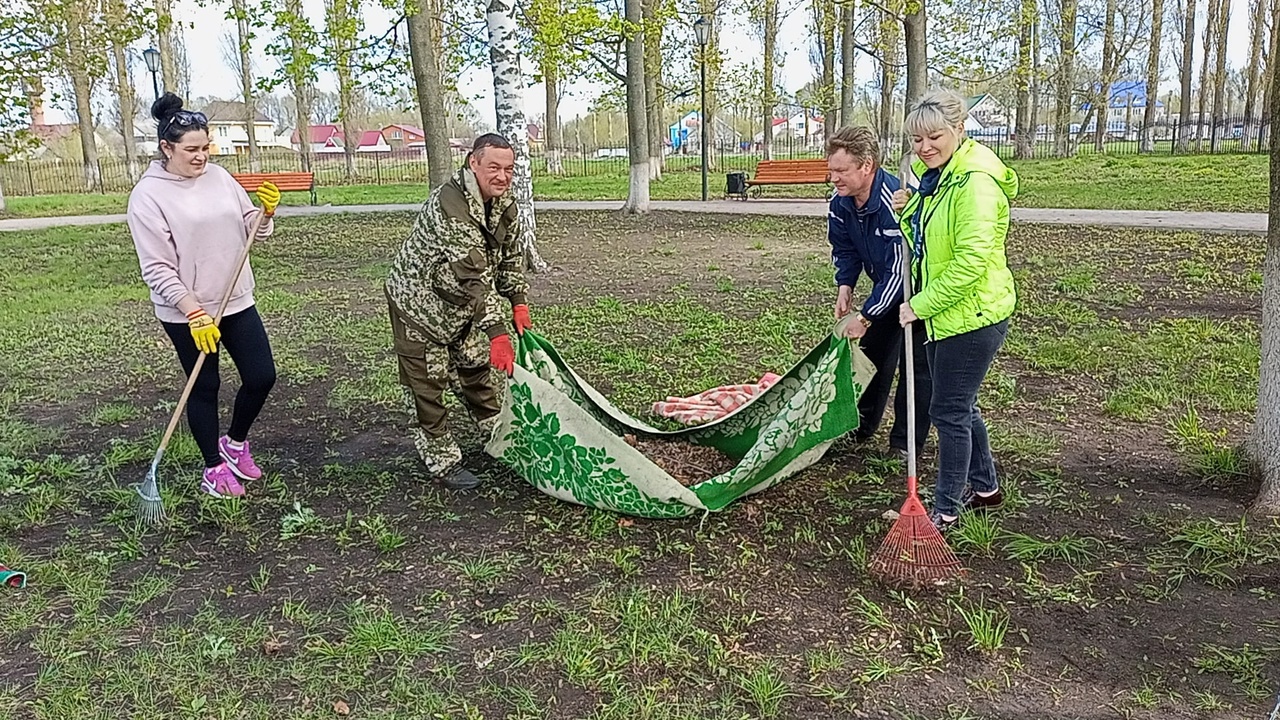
<point x="958" y="365"/>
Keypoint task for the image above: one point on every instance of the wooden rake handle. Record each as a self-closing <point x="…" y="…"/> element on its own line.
<point x="905" y="175"/>
<point x="222" y="306"/>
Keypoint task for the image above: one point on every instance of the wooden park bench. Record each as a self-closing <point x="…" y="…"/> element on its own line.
<point x="286" y="181"/>
<point x="811" y="171"/>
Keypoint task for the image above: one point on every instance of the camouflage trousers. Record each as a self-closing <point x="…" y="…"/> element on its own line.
<point x="426" y="368"/>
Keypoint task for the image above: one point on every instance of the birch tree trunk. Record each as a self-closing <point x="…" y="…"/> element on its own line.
<point x="246" y="82"/>
<point x="1023" y="128"/>
<point x="1266" y="431"/>
<point x="637" y="113"/>
<point x="1066" y="79"/>
<point x="848" y="47"/>
<point x="769" y="97"/>
<point x="2" y="205"/>
<point x="1188" y="50"/>
<point x="426" y="78"/>
<point x="1146" y="142"/>
<point x="164" y="43"/>
<point x="508" y="86"/>
<point x="1257" y="36"/>
<point x="1220" y="72"/>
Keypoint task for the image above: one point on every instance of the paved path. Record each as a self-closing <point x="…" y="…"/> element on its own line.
<point x="1251" y="223"/>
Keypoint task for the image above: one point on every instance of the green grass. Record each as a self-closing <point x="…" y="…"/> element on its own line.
<point x="348" y="580"/>
<point x="1125" y="182"/>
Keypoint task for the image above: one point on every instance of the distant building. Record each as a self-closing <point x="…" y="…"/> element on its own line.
<point x="228" y="131"/>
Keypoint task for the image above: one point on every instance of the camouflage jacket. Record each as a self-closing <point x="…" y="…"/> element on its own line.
<point x="457" y="263"/>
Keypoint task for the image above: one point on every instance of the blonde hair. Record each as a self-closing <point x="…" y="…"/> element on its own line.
<point x="860" y="142"/>
<point x="937" y="110"/>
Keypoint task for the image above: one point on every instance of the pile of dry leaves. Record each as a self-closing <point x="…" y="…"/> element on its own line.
<point x="689" y="464"/>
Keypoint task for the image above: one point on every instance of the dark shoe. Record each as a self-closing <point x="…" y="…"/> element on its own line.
<point x="977" y="503"/>
<point x="460" y="478"/>
<point x="943" y="525"/>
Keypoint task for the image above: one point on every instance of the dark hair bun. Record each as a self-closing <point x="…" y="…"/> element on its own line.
<point x="166" y="107"/>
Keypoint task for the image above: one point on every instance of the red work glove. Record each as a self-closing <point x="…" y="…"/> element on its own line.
<point x="502" y="355"/>
<point x="520" y="314"/>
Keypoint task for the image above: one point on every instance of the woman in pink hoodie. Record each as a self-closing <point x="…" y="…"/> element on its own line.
<point x="190" y="221"/>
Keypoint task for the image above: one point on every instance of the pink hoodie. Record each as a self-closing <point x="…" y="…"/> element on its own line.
<point x="189" y="232"/>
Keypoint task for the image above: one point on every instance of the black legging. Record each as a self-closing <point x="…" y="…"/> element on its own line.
<point x="244" y="337"/>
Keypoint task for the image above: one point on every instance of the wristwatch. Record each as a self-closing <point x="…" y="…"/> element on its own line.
<point x="866" y="323"/>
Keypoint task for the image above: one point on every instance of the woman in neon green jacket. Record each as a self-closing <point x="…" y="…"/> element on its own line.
<point x="956" y="223"/>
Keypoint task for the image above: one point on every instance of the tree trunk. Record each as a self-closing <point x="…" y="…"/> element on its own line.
<point x="824" y="23"/>
<point x="1109" y="61"/>
<point x="848" y="48"/>
<point x="551" y="121"/>
<point x="1035" y="83"/>
<point x="342" y="27"/>
<point x="915" y="32"/>
<point x="710" y="9"/>
<point x="655" y="102"/>
<point x="1206" y="83"/>
<point x="299" y="67"/>
<point x="888" y="79"/>
<point x="1023" y="128"/>
<point x="1257" y="36"/>
<point x="1146" y="142"/>
<point x="2" y="205"/>
<point x="769" y="97"/>
<point x="508" y="86"/>
<point x="1266" y="432"/>
<point x="124" y="91"/>
<point x="1220" y="72"/>
<point x="246" y="83"/>
<point x="164" y="42"/>
<point x="1272" y="76"/>
<point x="637" y="113"/>
<point x="78" y="26"/>
<point x="1066" y="80"/>
<point x="426" y="77"/>
<point x="1188" y="50"/>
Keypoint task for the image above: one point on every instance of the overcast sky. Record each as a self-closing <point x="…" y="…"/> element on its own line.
<point x="205" y="26"/>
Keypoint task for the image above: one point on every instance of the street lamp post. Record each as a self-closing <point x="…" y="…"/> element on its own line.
<point x="152" y="57"/>
<point x="700" y="31"/>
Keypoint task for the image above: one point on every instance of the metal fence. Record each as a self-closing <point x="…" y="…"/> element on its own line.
<point x="115" y="175"/>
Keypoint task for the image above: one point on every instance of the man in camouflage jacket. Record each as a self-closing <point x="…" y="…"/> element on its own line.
<point x="445" y="291"/>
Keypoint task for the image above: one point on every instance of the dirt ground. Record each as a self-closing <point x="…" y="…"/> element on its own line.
<point x="1141" y="597"/>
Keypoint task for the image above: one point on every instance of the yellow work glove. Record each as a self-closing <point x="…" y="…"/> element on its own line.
<point x="269" y="196"/>
<point x="203" y="331"/>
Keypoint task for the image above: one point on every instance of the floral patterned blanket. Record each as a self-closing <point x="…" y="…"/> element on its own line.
<point x="565" y="438"/>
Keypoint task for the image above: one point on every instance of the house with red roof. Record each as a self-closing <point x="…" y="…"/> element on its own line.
<point x="400" y="136"/>
<point x="324" y="139"/>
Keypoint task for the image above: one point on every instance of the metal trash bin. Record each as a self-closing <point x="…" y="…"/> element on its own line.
<point x="736" y="185"/>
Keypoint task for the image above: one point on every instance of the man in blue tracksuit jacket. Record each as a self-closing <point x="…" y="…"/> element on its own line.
<point x="865" y="238"/>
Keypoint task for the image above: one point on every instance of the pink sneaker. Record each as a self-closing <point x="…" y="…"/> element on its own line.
<point x="221" y="483"/>
<point x="240" y="461"/>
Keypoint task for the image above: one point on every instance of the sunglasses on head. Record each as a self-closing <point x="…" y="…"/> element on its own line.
<point x="187" y="118"/>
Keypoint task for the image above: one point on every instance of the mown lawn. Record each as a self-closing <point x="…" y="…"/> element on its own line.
<point x="1227" y="183"/>
<point x="1121" y="581"/>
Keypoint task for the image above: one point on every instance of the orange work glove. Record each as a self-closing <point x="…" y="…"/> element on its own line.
<point x="502" y="355"/>
<point x="520" y="314"/>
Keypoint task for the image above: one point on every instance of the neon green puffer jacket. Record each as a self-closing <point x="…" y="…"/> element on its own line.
<point x="965" y="283"/>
